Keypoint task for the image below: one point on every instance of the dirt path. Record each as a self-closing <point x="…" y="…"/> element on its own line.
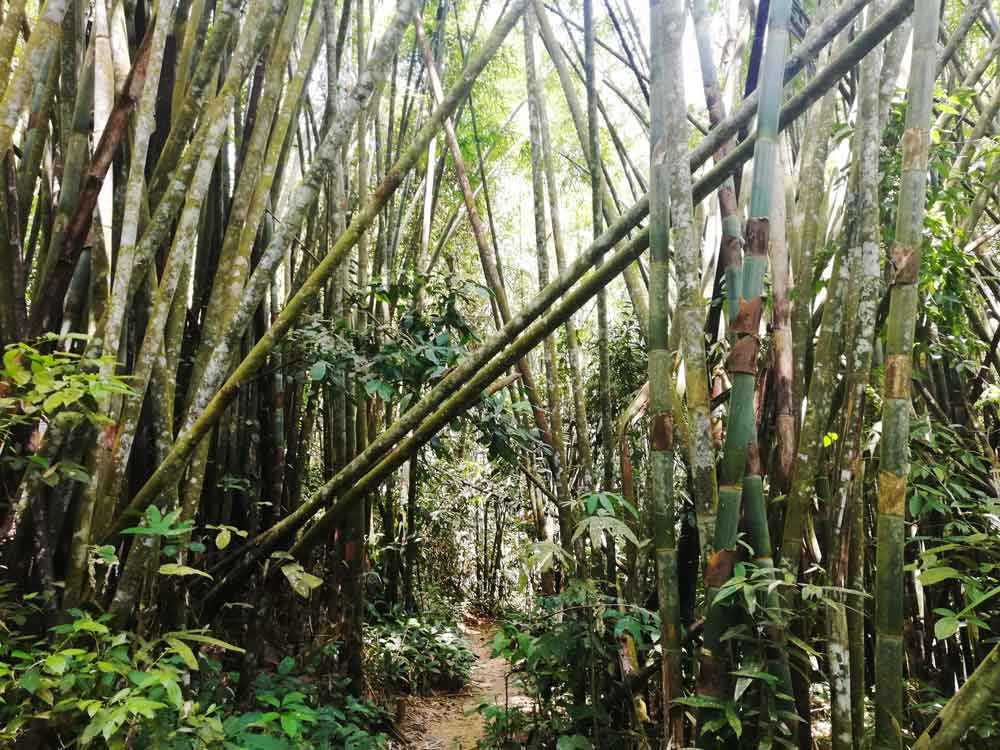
<point x="450" y="722"/>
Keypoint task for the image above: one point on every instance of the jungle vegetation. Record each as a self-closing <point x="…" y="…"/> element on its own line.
<point x="662" y="337"/>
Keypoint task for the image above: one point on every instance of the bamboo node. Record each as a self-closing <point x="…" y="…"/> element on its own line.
<point x="661" y="432"/>
<point x="915" y="144"/>
<point x="758" y="236"/>
<point x="898" y="369"/>
<point x="743" y="356"/>
<point x="891" y="493"/>
<point x="905" y="261"/>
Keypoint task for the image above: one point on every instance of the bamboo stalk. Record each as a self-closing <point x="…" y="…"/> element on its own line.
<point x="667" y="146"/>
<point x="894" y="464"/>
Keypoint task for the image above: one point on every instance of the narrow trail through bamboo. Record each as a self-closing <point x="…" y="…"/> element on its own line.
<point x="451" y="722"/>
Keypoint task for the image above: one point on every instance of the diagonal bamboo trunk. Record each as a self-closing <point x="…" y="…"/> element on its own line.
<point x="495" y="283"/>
<point x="948" y="729"/>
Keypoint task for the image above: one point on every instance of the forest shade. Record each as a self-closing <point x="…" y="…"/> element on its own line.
<point x="268" y="540"/>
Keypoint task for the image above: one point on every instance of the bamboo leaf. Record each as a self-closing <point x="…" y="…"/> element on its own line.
<point x="945" y="628"/>
<point x="936" y="575"/>
<point x="184" y="651"/>
<point x="174" y="569"/>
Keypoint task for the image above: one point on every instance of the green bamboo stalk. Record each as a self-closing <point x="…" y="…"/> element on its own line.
<point x="183" y="120"/>
<point x="354" y="530"/>
<point x="847" y="718"/>
<point x="572" y="336"/>
<point x="210" y="137"/>
<point x="13" y="16"/>
<point x="111" y="457"/>
<point x="808" y="228"/>
<point x="948" y="729"/>
<point x="185" y="54"/>
<point x="34" y="139"/>
<point x="894" y="463"/>
<point x="741" y="364"/>
<point x="578" y="116"/>
<point x="94" y="190"/>
<point x="818" y="85"/>
<point x="666" y="23"/>
<point x="817" y="414"/>
<point x="691" y="306"/>
<point x="732" y="223"/>
<point x="257" y="176"/>
<point x="895" y="48"/>
<point x="77" y="144"/>
<point x="782" y="358"/>
<point x="593" y="152"/>
<point x="538" y="157"/>
<point x="726" y="516"/>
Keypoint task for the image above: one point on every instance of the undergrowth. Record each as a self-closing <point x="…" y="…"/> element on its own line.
<point x="87" y="685"/>
<point x="568" y="653"/>
<point x="416" y="655"/>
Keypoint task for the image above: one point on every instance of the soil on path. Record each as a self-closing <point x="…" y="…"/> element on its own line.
<point x="451" y="722"/>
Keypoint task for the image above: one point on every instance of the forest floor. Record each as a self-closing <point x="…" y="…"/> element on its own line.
<point x="450" y="721"/>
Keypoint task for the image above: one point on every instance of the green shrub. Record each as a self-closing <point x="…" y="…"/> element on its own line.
<point x="100" y="688"/>
<point x="410" y="655"/>
<point x="567" y="656"/>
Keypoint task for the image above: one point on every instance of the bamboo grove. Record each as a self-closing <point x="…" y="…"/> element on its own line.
<point x="277" y="271"/>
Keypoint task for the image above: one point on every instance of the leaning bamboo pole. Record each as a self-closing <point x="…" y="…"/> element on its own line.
<point x="561" y="298"/>
<point x="894" y="464"/>
<point x="948" y="729"/>
<point x="491" y="272"/>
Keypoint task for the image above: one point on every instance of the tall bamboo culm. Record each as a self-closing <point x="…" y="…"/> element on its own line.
<point x="741" y="364"/>
<point x="894" y="464"/>
<point x="665" y="28"/>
